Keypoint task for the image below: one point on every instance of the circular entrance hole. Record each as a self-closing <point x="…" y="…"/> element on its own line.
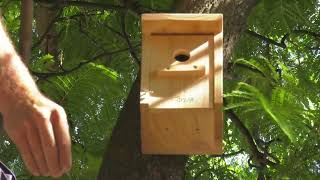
<point x="181" y="55"/>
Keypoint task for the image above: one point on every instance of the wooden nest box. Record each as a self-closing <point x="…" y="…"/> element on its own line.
<point x="181" y="84"/>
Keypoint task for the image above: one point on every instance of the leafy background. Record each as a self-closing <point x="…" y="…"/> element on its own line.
<point x="271" y="87"/>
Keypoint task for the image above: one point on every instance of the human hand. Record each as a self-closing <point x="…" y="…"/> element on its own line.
<point x="41" y="134"/>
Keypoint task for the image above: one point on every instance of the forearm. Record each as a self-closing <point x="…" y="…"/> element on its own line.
<point x="6" y="46"/>
<point x="16" y="84"/>
<point x="38" y="126"/>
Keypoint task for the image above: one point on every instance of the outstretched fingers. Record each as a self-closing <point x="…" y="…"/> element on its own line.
<point x="36" y="150"/>
<point x="25" y="151"/>
<point x="61" y="132"/>
<point x="49" y="147"/>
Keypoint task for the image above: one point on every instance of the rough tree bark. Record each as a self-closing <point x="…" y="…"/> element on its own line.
<point x="123" y="158"/>
<point x="26" y="30"/>
<point x="45" y="15"/>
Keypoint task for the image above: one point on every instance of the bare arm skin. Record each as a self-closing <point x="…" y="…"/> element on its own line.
<point x="36" y="125"/>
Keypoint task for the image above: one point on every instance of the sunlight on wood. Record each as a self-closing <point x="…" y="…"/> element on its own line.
<point x="181" y="99"/>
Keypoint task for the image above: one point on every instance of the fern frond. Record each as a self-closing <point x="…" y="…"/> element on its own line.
<point x="252" y="99"/>
<point x="260" y="66"/>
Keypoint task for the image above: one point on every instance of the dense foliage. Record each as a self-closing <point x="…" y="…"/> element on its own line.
<point x="272" y="125"/>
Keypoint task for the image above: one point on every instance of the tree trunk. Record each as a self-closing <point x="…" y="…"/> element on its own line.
<point x="123" y="158"/>
<point x="45" y="25"/>
<point x="26" y="30"/>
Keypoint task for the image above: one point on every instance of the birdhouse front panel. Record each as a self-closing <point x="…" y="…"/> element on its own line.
<point x="181" y="84"/>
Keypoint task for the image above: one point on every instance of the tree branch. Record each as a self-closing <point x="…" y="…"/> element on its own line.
<point x="226" y="155"/>
<point x="43" y="36"/>
<point x="263" y="158"/>
<point x="282" y="43"/>
<point x="79" y="15"/>
<point x="257" y="155"/>
<point x="115" y="31"/>
<point x="310" y="33"/>
<point x="43" y="76"/>
<point x="87" y="14"/>
<point x="87" y="34"/>
<point x="267" y="40"/>
<point x="94" y="5"/>
<point x="131" y="49"/>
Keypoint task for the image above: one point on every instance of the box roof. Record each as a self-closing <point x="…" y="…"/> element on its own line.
<point x="175" y="24"/>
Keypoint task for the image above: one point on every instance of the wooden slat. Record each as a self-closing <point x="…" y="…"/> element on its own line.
<point x="181" y="71"/>
<point x="218" y="69"/>
<point x="161" y="24"/>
